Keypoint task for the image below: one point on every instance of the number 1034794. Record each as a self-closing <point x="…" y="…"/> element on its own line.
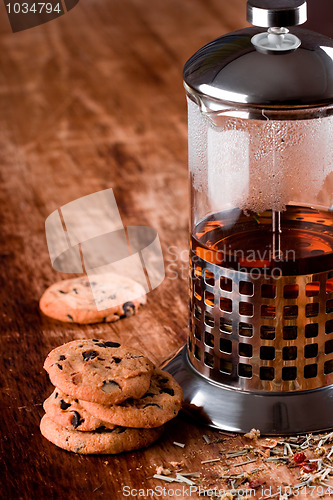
<point x="36" y="8"/>
<point x="315" y="491"/>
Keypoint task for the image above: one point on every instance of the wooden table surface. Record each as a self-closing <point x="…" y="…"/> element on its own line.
<point x="90" y="101"/>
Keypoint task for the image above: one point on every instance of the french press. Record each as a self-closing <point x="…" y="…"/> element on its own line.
<point x="260" y="120"/>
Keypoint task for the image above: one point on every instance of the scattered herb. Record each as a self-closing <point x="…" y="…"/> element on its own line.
<point x="233" y="454"/>
<point x="277" y="459"/>
<point x="181" y="445"/>
<point x="183" y="479"/>
<point x="246" y="462"/>
<point x="211" y="461"/>
<point x="164" y="478"/>
<point x="288" y="450"/>
<point x="253" y="434"/>
<point x="191" y="474"/>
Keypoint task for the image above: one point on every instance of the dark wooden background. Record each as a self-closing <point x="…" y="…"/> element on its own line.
<point x="90" y="101"/>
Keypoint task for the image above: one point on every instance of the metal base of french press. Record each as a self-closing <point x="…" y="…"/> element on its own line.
<point x="224" y="408"/>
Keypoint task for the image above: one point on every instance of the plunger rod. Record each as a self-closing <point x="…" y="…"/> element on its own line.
<point x="276" y="230"/>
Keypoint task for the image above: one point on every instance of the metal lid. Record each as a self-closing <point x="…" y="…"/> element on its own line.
<point x="282" y="13"/>
<point x="230" y="71"/>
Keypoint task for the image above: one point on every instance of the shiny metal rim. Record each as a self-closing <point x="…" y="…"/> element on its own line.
<point x="224" y="408"/>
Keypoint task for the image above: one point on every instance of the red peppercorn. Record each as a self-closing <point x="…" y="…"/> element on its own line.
<point x="299" y="457"/>
<point x="310" y="467"/>
<point x="256" y="483"/>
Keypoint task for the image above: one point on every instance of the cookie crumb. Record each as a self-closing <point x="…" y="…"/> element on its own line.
<point x="176" y="464"/>
<point x="161" y="470"/>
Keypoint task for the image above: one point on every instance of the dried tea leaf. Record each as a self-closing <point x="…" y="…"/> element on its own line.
<point x="253" y="434"/>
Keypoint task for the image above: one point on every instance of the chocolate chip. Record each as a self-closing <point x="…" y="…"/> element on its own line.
<point x="70" y="317"/>
<point x="163" y="380"/>
<point x="101" y="359"/>
<point x="148" y="395"/>
<point x="152" y="404"/>
<point x="64" y="405"/>
<point x="95" y="340"/>
<point x="104" y="319"/>
<point x="56" y="395"/>
<point x="89" y="355"/>
<point x="103" y="429"/>
<point x="76" y="400"/>
<point x="61" y="291"/>
<point x="59" y="366"/>
<point x="61" y="357"/>
<point x="75" y="291"/>
<point x="116" y="360"/>
<point x="129" y="309"/>
<point x="108" y="343"/>
<point x="109" y="386"/>
<point x="100" y="429"/>
<point x="168" y="391"/>
<point x="76" y="420"/>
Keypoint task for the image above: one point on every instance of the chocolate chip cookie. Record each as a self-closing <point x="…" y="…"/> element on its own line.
<point x="67" y="412"/>
<point x="100" y="441"/>
<point x="100" y="371"/>
<point x="73" y="301"/>
<point x="159" y="404"/>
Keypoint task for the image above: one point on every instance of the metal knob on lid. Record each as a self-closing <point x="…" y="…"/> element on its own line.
<point x="268" y="66"/>
<point x="277" y="40"/>
<point x="266" y="14"/>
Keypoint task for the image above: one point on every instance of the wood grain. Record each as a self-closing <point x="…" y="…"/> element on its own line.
<point x="90" y="101"/>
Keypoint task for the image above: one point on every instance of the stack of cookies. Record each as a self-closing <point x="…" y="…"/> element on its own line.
<point x="108" y="398"/>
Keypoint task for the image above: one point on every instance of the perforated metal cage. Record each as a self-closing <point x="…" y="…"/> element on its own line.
<point x="262" y="333"/>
